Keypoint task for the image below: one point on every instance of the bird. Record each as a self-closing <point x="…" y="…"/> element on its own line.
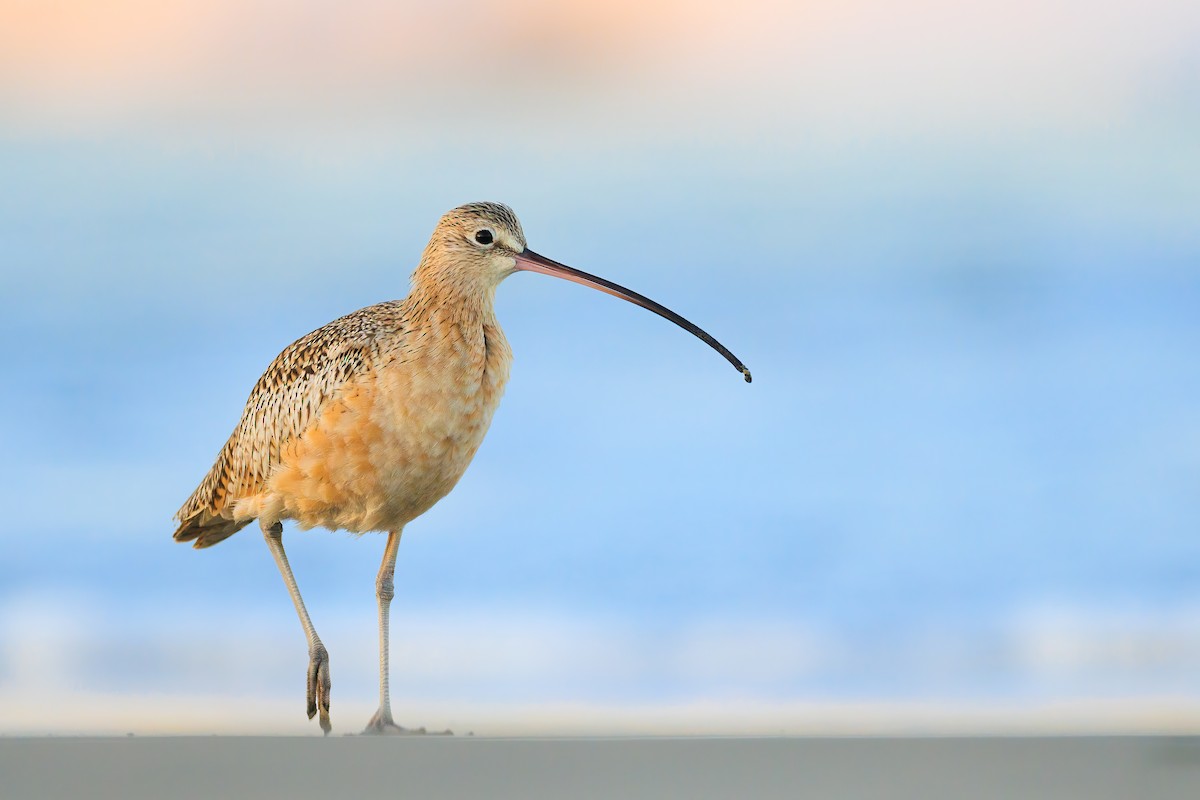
<point x="367" y="422"/>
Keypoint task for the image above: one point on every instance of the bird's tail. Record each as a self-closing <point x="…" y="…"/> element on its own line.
<point x="206" y="529"/>
<point x="204" y="518"/>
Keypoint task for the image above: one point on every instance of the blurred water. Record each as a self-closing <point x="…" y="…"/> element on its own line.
<point x="967" y="466"/>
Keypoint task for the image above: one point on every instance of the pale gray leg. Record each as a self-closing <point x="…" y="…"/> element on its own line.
<point x="382" y="721"/>
<point x="318" y="657"/>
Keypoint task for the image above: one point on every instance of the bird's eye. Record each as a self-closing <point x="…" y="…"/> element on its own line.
<point x="484" y="236"/>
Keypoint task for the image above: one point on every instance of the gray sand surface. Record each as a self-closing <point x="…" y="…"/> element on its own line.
<point x="1057" y="768"/>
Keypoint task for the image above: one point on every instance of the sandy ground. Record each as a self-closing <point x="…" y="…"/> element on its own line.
<point x="981" y="768"/>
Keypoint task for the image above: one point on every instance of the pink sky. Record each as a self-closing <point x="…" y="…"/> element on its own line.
<point x="75" y="63"/>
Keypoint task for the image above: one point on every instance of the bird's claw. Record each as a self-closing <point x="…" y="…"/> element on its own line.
<point x="381" y="724"/>
<point x="319" y="684"/>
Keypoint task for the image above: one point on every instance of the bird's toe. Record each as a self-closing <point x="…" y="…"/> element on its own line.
<point x="381" y="724"/>
<point x="319" y="685"/>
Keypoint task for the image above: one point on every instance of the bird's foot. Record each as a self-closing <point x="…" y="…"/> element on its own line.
<point x="319" y="684"/>
<point x="381" y="724"/>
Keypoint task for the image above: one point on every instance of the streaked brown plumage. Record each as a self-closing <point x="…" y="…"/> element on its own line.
<point x="288" y="396"/>
<point x="365" y="423"/>
<point x="394" y="398"/>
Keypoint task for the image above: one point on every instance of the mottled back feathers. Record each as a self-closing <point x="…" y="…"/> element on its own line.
<point x="286" y="399"/>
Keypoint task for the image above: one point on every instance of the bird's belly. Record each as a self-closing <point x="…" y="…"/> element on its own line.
<point x="383" y="453"/>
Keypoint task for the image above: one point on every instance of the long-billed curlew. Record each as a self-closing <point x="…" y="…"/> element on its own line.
<point x="364" y="424"/>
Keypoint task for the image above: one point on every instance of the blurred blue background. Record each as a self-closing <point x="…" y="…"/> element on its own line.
<point x="958" y="247"/>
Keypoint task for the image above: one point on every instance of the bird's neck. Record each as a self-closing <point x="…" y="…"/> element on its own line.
<point x="440" y="304"/>
<point x="459" y="332"/>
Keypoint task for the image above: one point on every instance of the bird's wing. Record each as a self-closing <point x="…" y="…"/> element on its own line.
<point x="287" y="398"/>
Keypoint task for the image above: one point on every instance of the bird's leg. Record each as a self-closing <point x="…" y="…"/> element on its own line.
<point x="382" y="721"/>
<point x="318" y="657"/>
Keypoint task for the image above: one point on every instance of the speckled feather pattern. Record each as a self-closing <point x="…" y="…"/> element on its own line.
<point x="365" y="423"/>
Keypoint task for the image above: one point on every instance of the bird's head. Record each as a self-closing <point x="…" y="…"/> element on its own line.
<point x="476" y="246"/>
<point x="473" y="248"/>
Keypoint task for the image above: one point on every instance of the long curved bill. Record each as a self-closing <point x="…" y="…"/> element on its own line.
<point x="532" y="262"/>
